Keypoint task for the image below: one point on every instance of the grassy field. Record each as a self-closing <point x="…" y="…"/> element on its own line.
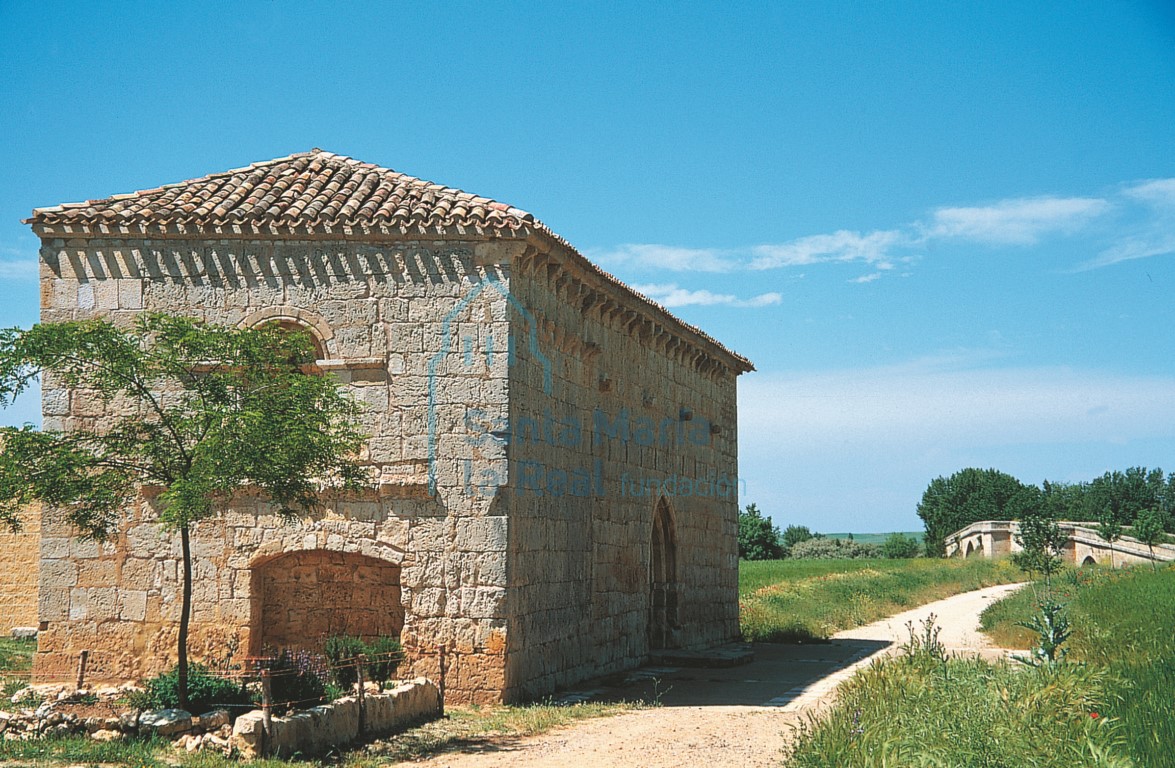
<point x="1123" y="623"/>
<point x="1110" y="705"/>
<point x="809" y="600"/>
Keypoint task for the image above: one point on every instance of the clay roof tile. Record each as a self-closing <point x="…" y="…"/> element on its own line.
<point x="325" y="188"/>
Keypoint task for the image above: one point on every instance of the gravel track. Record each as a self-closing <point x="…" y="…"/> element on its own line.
<point x="723" y="735"/>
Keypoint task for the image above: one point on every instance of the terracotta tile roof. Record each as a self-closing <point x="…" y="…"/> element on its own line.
<point x="302" y="190"/>
<point x="324" y="192"/>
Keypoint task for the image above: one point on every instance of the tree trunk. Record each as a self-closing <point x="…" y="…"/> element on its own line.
<point x="185" y="616"/>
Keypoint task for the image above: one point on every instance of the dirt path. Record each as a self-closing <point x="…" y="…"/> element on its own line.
<point x="737" y="717"/>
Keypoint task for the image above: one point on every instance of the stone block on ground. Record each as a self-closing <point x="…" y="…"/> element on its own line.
<point x="165" y="722"/>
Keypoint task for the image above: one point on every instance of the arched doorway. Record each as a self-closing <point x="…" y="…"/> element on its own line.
<point x="970" y="549"/>
<point x="663" y="624"/>
<point x="1089" y="560"/>
<point x="302" y="598"/>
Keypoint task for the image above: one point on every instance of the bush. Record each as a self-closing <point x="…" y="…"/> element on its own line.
<point x="832" y="549"/>
<point x="298" y="679"/>
<point x="206" y="692"/>
<point x="793" y="535"/>
<point x="341" y="651"/>
<point x="385" y="654"/>
<point x="899" y="546"/>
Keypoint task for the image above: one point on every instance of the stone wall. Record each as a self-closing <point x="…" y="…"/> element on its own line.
<point x="333" y="725"/>
<point x="19" y="553"/>
<point x="523" y="439"/>
<point x="605" y="425"/>
<point x="393" y="321"/>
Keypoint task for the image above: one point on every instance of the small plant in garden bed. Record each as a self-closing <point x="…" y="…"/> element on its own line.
<point x="383" y="658"/>
<point x="298" y="679"/>
<point x="342" y="653"/>
<point x="206" y="692"/>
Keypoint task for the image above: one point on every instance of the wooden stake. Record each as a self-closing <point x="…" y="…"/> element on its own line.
<point x="83" y="657"/>
<point x="266" y="710"/>
<point x="360" y="661"/>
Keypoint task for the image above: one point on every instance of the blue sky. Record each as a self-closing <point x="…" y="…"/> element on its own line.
<point x="944" y="235"/>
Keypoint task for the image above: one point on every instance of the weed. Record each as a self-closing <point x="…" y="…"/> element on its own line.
<point x="1052" y="630"/>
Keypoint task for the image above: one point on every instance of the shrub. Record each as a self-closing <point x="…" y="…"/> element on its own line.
<point x="206" y="692"/>
<point x="298" y="679"/>
<point x="385" y="654"/>
<point x="899" y="546"/>
<point x="832" y="549"/>
<point x="341" y="651"/>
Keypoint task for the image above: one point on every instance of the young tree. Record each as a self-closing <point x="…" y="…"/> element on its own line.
<point x="1109" y="529"/>
<point x="1150" y="527"/>
<point x="758" y="539"/>
<point x="194" y="409"/>
<point x="1042" y="542"/>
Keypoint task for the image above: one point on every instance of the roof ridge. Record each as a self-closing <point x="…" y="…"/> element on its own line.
<point x="435" y="188"/>
<point x="317" y="192"/>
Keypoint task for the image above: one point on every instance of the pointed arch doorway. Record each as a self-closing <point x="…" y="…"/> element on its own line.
<point x="663" y="623"/>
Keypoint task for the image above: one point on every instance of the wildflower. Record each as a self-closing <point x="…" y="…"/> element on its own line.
<point x="1094" y="715"/>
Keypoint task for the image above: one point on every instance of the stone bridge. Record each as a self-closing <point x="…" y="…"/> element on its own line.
<point x="991" y="538"/>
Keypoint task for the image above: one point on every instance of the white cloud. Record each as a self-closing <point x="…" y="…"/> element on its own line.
<point x="670" y="295"/>
<point x="841" y="246"/>
<point x="653" y="256"/>
<point x="1128" y="249"/>
<point x="930" y="403"/>
<point x="23" y="269"/>
<point x="1158" y="192"/>
<point x="1142" y="225"/>
<point x="1021" y="221"/>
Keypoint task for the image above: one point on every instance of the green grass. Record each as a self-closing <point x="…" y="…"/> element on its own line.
<point x="809" y="600"/>
<point x="917" y="711"/>
<point x="16" y="663"/>
<point x="966" y="714"/>
<point x="81" y="749"/>
<point x="1122" y="622"/>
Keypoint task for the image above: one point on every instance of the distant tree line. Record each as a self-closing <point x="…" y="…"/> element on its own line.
<point x="759" y="539"/>
<point x="1117" y="502"/>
